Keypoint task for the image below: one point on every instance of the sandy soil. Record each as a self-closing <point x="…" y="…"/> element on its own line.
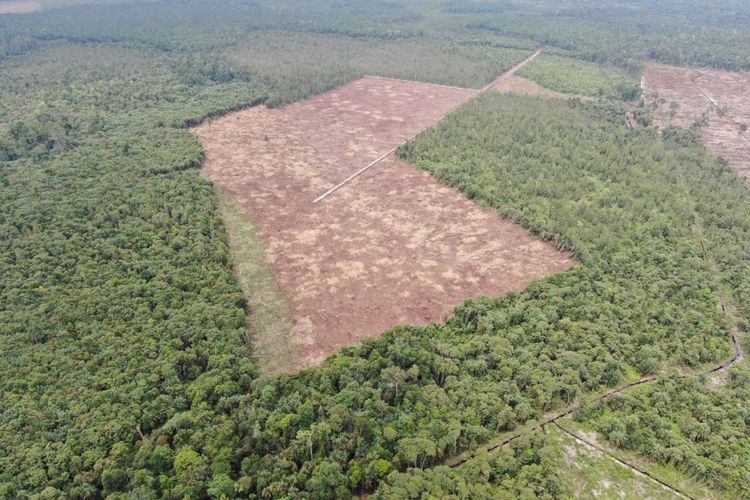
<point x="723" y="96"/>
<point x="19" y="6"/>
<point x="394" y="245"/>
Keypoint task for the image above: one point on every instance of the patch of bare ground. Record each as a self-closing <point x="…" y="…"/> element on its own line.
<point x="519" y="85"/>
<point x="683" y="96"/>
<point x="395" y="245"/>
<point x="19" y="6"/>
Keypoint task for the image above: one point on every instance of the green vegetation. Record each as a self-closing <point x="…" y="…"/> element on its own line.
<point x="678" y="32"/>
<point x="126" y="370"/>
<point x="269" y="318"/>
<point x="316" y="58"/>
<point x="527" y="468"/>
<point x="702" y="430"/>
<point x="119" y="314"/>
<point x="578" y="77"/>
<point x="588" y="473"/>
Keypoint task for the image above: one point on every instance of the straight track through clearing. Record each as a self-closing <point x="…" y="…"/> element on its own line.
<point x="382" y="157"/>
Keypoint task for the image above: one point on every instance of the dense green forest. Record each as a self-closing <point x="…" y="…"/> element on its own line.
<point x="524" y="164"/>
<point x="679" y="32"/>
<point x="574" y="76"/>
<point x="683" y="422"/>
<point x="125" y="352"/>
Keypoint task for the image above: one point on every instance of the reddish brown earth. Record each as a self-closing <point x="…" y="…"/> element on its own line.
<point x="722" y="96"/>
<point x="392" y="246"/>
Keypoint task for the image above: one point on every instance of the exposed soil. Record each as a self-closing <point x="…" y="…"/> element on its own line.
<point x="19" y="6"/>
<point x="395" y="246"/>
<point x="682" y="96"/>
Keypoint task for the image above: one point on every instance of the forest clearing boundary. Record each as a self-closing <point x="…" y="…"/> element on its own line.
<point x="484" y="89"/>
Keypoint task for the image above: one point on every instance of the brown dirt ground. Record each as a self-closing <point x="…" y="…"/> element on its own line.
<point x="724" y="96"/>
<point x="519" y="85"/>
<point x="19" y="6"/>
<point x="394" y="245"/>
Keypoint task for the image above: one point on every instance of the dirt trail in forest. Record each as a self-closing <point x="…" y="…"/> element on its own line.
<point x="385" y="155"/>
<point x="737" y="357"/>
<point x="637" y="470"/>
<point x="512" y="71"/>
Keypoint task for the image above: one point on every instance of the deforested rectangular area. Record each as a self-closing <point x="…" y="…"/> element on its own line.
<point x="392" y="246"/>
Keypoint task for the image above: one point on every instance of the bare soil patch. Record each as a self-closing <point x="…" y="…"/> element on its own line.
<point x="395" y="246"/>
<point x="682" y="96"/>
<point x="19" y="6"/>
<point x="519" y="85"/>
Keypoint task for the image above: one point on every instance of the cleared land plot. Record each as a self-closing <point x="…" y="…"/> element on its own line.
<point x="394" y="245"/>
<point x="682" y="96"/>
<point x="19" y="6"/>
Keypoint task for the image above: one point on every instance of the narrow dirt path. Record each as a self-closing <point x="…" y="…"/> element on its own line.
<point x="736" y="357"/>
<point x="511" y="71"/>
<point x="637" y="470"/>
<point x="382" y="157"/>
<point x="703" y="91"/>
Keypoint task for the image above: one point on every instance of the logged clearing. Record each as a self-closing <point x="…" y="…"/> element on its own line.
<point x="392" y="246"/>
<point x="682" y="96"/>
<point x="19" y="6"/>
<point x="520" y="85"/>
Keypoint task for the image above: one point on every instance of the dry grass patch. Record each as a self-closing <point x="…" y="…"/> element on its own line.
<point x="269" y="318"/>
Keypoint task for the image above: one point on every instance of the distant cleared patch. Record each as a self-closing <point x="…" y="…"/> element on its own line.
<point x="719" y="99"/>
<point x="394" y="245"/>
<point x="19" y="6"/>
<point x="519" y="85"/>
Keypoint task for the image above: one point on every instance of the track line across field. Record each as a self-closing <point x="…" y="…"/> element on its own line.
<point x="637" y="470"/>
<point x="382" y="157"/>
